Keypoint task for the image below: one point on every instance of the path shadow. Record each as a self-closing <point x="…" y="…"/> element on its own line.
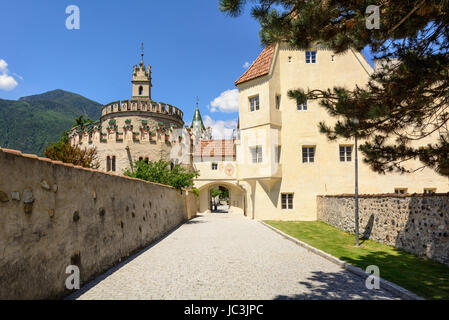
<point x="193" y="221"/>
<point x="340" y="285"/>
<point x="368" y="229"/>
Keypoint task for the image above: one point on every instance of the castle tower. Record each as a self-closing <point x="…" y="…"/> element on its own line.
<point x="141" y="81"/>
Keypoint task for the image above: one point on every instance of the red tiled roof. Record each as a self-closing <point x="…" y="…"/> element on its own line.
<point x="214" y="148"/>
<point x="260" y="67"/>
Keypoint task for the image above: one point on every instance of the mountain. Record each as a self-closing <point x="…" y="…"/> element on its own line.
<point x="28" y="124"/>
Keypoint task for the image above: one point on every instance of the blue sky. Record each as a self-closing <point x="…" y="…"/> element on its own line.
<point x="193" y="48"/>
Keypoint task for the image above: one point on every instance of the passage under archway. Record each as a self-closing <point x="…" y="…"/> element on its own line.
<point x="219" y="199"/>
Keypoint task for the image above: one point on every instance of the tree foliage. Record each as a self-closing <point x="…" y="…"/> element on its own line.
<point x="63" y="151"/>
<point x="405" y="102"/>
<point x="163" y="172"/>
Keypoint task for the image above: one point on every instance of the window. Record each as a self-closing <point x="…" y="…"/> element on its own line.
<point x="108" y="163"/>
<point x="256" y="154"/>
<point x="278" y="102"/>
<point x="289" y="59"/>
<point x="277" y="154"/>
<point x="254" y="103"/>
<point x="287" y="200"/>
<point x="214" y="166"/>
<point x="345" y="153"/>
<point x="140" y="90"/>
<point x="113" y="163"/>
<point x="302" y="106"/>
<point x="310" y="56"/>
<point x="430" y="190"/>
<point x="308" y="154"/>
<point x="400" y="190"/>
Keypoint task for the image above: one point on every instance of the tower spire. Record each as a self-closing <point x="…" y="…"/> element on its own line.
<point x="142" y="50"/>
<point x="197" y="122"/>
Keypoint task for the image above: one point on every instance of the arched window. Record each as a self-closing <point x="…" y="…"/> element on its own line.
<point x="140" y="90"/>
<point x="147" y="160"/>
<point x="108" y="163"/>
<point x="113" y="163"/>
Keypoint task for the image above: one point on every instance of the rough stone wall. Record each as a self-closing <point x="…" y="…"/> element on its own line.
<point x="415" y="223"/>
<point x="53" y="215"/>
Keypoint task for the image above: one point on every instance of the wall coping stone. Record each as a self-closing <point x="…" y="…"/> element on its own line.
<point x="70" y="165"/>
<point x="384" y="195"/>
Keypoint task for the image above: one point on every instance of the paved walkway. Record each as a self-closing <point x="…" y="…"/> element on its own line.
<point x="224" y="256"/>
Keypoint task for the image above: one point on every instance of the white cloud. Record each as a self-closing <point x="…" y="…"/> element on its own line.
<point x="246" y="65"/>
<point x="7" y="82"/>
<point x="228" y="101"/>
<point x="221" y="129"/>
<point x="3" y="66"/>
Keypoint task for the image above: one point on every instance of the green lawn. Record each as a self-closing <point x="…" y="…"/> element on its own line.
<point x="426" y="278"/>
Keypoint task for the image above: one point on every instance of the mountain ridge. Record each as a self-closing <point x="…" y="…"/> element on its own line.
<point x="31" y="122"/>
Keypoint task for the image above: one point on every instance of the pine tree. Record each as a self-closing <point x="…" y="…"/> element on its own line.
<point x="406" y="101"/>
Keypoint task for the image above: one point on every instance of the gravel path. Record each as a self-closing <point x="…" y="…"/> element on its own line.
<point x="224" y="256"/>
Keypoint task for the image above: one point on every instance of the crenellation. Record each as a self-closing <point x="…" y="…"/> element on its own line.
<point x="142" y="105"/>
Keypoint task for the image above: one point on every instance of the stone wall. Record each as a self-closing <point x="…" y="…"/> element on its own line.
<point x="53" y="215"/>
<point x="415" y="223"/>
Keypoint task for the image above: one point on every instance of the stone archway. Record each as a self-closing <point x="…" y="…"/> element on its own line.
<point x="233" y="201"/>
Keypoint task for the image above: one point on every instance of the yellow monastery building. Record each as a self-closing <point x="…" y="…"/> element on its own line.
<point x="282" y="161"/>
<point x="277" y="162"/>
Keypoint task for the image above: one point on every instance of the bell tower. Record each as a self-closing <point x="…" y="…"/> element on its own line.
<point x="141" y="80"/>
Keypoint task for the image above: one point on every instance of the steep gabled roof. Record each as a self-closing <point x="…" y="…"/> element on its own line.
<point x="260" y="67"/>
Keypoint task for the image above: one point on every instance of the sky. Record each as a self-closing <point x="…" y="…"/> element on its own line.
<point x="192" y="47"/>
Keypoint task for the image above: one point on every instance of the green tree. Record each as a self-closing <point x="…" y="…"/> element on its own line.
<point x="216" y="192"/>
<point x="404" y="102"/>
<point x="163" y="172"/>
<point x="63" y="151"/>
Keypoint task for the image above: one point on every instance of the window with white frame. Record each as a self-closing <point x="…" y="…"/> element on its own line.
<point x="256" y="154"/>
<point x="254" y="103"/>
<point x="214" y="166"/>
<point x="301" y="106"/>
<point x="345" y="153"/>
<point x="287" y="201"/>
<point x="310" y="56"/>
<point x="308" y="154"/>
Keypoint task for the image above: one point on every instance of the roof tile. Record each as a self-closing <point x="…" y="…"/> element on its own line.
<point x="260" y="67"/>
